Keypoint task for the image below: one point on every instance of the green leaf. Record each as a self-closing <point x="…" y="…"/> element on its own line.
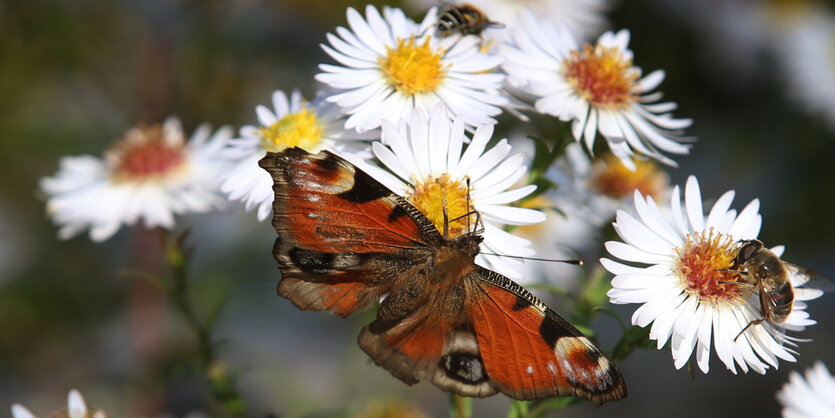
<point x="634" y="337"/>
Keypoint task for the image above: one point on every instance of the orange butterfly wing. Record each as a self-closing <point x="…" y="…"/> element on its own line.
<point x="530" y="351"/>
<point x="341" y="234"/>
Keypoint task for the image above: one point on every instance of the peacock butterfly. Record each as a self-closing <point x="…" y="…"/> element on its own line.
<point x="345" y="241"/>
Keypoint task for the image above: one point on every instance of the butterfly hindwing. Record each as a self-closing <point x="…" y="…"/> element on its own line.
<point x="341" y="234"/>
<point x="424" y="335"/>
<point x="530" y="351"/>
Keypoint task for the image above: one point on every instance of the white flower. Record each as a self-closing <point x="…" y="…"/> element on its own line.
<point x="686" y="295"/>
<point x="596" y="87"/>
<point x="151" y="174"/>
<point x="810" y="397"/>
<point x="291" y="123"/>
<point x="391" y="65"/>
<point x="428" y="164"/>
<point x="76" y="408"/>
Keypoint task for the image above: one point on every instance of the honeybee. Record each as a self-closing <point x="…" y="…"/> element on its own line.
<point x="759" y="267"/>
<point x="465" y="19"/>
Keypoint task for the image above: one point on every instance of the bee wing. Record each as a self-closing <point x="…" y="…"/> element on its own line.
<point x="803" y="277"/>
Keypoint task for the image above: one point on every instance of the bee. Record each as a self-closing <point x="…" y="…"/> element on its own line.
<point x="465" y="19"/>
<point x="758" y="267"/>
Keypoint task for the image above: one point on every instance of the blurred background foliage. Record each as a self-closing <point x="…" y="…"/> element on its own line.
<point x="75" y="74"/>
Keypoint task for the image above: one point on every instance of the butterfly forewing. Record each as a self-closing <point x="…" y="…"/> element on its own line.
<point x="341" y="235"/>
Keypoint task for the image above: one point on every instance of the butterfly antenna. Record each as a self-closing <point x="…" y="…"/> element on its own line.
<point x="446" y="215"/>
<point x="468" y="205"/>
<point x="550" y="260"/>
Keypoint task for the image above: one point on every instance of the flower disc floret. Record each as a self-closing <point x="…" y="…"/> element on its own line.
<point x="145" y="155"/>
<point x="413" y="69"/>
<point x="430" y="195"/>
<point x="299" y="129"/>
<point x="702" y="262"/>
<point x="602" y="75"/>
<point x="613" y="179"/>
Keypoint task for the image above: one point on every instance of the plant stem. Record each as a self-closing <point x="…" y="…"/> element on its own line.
<point x="222" y="387"/>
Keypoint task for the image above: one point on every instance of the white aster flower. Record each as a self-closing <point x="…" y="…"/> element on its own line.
<point x="428" y="164"/>
<point x="596" y="87"/>
<point x="76" y="408"/>
<point x="391" y="65"/>
<point x="686" y="295"/>
<point x="809" y="397"/>
<point x="151" y="174"/>
<point x="291" y="123"/>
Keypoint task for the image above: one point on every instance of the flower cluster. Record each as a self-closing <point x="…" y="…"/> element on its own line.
<point x="417" y="110"/>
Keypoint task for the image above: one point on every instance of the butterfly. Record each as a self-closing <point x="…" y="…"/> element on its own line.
<point x="345" y="242"/>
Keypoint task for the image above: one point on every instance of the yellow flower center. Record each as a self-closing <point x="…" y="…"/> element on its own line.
<point x="300" y="129"/>
<point x="611" y="178"/>
<point x="429" y="195"/>
<point x="603" y="76"/>
<point x="699" y="262"/>
<point x="144" y="154"/>
<point x="413" y="69"/>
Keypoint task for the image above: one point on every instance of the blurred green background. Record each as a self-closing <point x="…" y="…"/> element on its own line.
<point x="75" y="74"/>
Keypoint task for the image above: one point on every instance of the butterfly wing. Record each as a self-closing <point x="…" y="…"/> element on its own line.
<point x="531" y="352"/>
<point x="341" y="234"/>
<point x="422" y="334"/>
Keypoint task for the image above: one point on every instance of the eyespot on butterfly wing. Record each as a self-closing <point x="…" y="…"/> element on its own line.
<point x="345" y="241"/>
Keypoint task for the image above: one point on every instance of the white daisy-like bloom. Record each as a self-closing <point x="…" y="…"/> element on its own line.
<point x="687" y="292"/>
<point x="391" y="65"/>
<point x="809" y="397"/>
<point x="425" y="155"/>
<point x="76" y="408"/>
<point x="292" y="122"/>
<point x="151" y="174"/>
<point x="596" y="87"/>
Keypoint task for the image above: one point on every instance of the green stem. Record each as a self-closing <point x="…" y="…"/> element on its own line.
<point x="462" y="406"/>
<point x="222" y="387"/>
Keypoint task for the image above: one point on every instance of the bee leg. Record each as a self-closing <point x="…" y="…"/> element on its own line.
<point x="754" y="322"/>
<point x="743" y="284"/>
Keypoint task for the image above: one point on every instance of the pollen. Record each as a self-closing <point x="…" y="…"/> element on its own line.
<point x="700" y="262"/>
<point x="611" y="178"/>
<point x="413" y="69"/>
<point x="146" y="154"/>
<point x="301" y="129"/>
<point x="604" y="76"/>
<point x="429" y="195"/>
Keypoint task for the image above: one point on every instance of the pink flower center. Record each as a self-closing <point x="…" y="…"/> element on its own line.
<point x="700" y="263"/>
<point x="604" y="76"/>
<point x="145" y="154"/>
